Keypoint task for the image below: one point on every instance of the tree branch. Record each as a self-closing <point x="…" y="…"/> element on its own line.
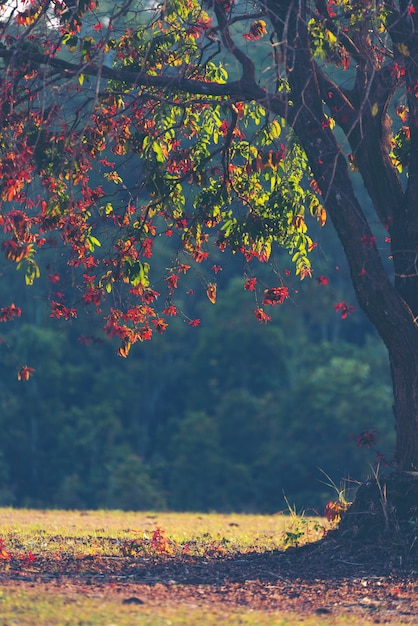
<point x="239" y="90"/>
<point x="248" y="68"/>
<point x="369" y="132"/>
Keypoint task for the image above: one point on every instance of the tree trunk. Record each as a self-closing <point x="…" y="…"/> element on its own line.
<point x="404" y="368"/>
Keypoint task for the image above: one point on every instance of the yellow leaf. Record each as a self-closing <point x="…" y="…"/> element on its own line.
<point x="403" y="49"/>
<point x="275" y="129"/>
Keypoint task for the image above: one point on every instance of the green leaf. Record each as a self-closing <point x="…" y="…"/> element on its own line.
<point x="32" y="272"/>
<point x="159" y="156"/>
<point x="92" y="242"/>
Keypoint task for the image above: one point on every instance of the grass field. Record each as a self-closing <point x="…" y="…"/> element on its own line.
<point x="122" y="569"/>
<point x="43" y="529"/>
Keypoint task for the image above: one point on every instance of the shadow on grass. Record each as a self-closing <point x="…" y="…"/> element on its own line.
<point x="332" y="558"/>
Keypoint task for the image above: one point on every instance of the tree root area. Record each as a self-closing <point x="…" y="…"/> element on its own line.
<point x="384" y="515"/>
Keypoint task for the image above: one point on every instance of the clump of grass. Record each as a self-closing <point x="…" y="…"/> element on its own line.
<point x="335" y="509"/>
<point x="302" y="529"/>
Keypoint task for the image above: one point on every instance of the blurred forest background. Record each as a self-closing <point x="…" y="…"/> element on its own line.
<point x="231" y="415"/>
<point x="228" y="416"/>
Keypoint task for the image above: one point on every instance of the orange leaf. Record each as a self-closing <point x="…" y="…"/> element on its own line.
<point x="211" y="292"/>
<point x="124" y="348"/>
<point x="321" y="215"/>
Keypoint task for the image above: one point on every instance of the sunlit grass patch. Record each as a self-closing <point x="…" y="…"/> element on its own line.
<point x="110" y="533"/>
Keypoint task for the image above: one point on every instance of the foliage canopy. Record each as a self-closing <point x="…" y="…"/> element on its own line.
<point x="122" y="123"/>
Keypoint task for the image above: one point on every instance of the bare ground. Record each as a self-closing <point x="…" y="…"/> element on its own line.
<point x="329" y="578"/>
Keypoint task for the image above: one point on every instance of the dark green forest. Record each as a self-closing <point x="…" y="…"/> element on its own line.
<point x="232" y="415"/>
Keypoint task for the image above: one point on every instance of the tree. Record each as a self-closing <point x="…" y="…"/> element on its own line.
<point x="146" y="120"/>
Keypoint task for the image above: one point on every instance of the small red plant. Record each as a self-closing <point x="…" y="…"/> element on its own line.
<point x="27" y="559"/>
<point x="160" y="543"/>
<point x="157" y="544"/>
<point x="4" y="555"/>
<point x="334" y="510"/>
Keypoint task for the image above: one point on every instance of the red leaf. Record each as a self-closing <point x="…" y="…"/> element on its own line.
<point x="25" y="373"/>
